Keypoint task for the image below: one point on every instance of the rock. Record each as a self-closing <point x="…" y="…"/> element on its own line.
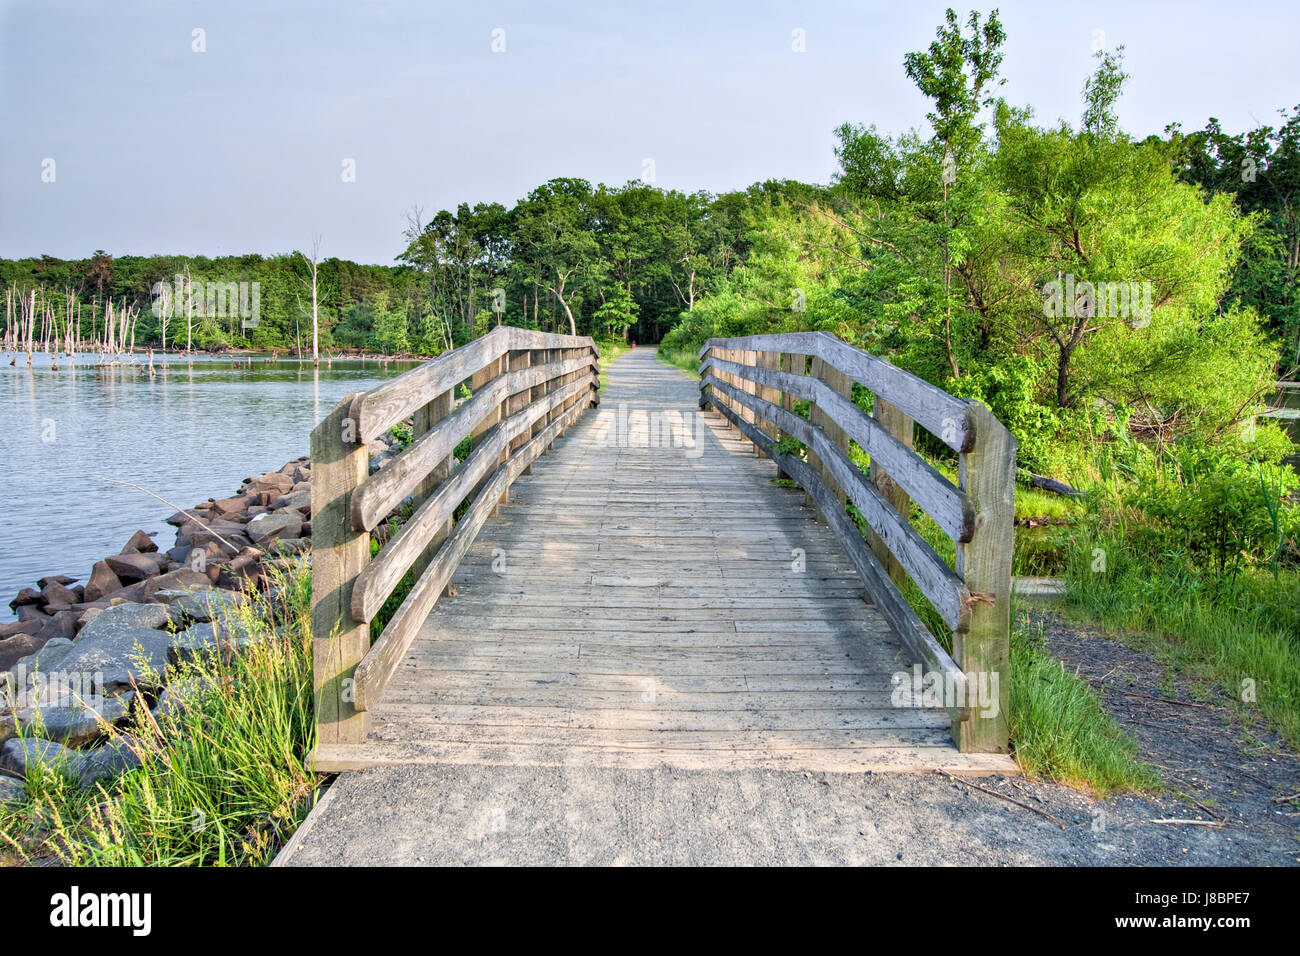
<point x="182" y="579"/>
<point x="179" y="695"/>
<point x="201" y="605"/>
<point x="65" y="623"/>
<point x="301" y="474"/>
<point x="230" y="506"/>
<point x="199" y="536"/>
<point x="18" y="755"/>
<point x="275" y="481"/>
<point x="77" y="722"/>
<point x="140" y="541"/>
<point x="207" y="638"/>
<point x="31" y="612"/>
<point x="44" y="661"/>
<point x="114" y="619"/>
<point x="49" y="579"/>
<point x="14" y="649"/>
<point x="298" y="501"/>
<point x="55" y="593"/>
<point x="17" y="627"/>
<point x="179" y="518"/>
<point x="102" y="583"/>
<point x="12" y="790"/>
<point x="133" y="566"/>
<point x="25" y="597"/>
<point x="289" y="546"/>
<point x="122" y="643"/>
<point x="102" y="763"/>
<point x="283" y="524"/>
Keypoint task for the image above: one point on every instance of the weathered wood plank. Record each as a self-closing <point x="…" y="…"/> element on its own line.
<point x="946" y="417"/>
<point x="988" y="474"/>
<point x="381" y="492"/>
<point x="377" y="581"/>
<point x="940" y="499"/>
<point x="339" y="554"/>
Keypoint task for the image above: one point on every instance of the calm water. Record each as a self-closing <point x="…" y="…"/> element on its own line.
<point x="195" y="431"/>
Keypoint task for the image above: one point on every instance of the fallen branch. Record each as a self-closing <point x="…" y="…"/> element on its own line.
<point x="1044" y="483"/>
<point x="1217" y="824"/>
<point x="1003" y="796"/>
<point x="114" y="481"/>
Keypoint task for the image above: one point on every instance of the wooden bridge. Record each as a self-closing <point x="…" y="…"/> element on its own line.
<point x="632" y="586"/>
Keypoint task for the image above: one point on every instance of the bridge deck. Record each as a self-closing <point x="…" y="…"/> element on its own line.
<point x="634" y="605"/>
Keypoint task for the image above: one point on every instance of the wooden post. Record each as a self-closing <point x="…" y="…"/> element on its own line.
<point x="839" y="381"/>
<point x="704" y="402"/>
<point x="520" y="359"/>
<point x="339" y="554"/>
<point x="902" y="428"/>
<point x="769" y="360"/>
<point x="478" y="380"/>
<point x="815" y="370"/>
<point x="791" y="364"/>
<point x="749" y="357"/>
<point x="987" y="474"/>
<point x="423" y="420"/>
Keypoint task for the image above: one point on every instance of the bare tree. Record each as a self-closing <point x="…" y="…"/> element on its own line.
<point x="314" y="265"/>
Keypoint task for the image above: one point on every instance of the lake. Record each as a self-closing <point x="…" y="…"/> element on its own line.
<point x="195" y="431"/>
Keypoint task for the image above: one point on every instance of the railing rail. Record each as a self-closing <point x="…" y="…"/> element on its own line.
<point x="527" y="388"/>
<point x="753" y="383"/>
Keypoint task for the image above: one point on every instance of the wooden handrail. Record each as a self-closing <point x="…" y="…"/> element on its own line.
<point x="528" y="387"/>
<point x="753" y="381"/>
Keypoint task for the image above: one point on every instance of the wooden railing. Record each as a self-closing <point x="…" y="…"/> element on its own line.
<point x="754" y="382"/>
<point x="526" y="389"/>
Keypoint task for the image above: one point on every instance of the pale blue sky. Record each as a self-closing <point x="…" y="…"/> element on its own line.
<point x="159" y="149"/>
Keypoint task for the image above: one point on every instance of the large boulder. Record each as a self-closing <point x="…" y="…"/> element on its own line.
<point x="18" y="756"/>
<point x="122" y="644"/>
<point x="54" y="579"/>
<point x="102" y="583"/>
<point x="207" y="638"/>
<point x="76" y="722"/>
<point x="182" y="579"/>
<point x="207" y="605"/>
<point x="281" y="524"/>
<point x="12" y="790"/>
<point x="140" y="541"/>
<point x="13" y="649"/>
<point x="25" y="597"/>
<point x="132" y="566"/>
<point x="58" y="594"/>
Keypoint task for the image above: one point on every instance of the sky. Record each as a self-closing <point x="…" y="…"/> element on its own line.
<point x="277" y="121"/>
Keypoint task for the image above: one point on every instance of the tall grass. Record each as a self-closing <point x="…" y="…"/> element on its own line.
<point x="221" y="781"/>
<point x="684" y="359"/>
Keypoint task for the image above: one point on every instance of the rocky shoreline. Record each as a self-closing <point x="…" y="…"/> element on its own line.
<point x="71" y="665"/>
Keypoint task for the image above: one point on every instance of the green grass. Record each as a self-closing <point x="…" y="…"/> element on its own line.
<point x="222" y="782"/>
<point x="1059" y="727"/>
<point x="687" y="361"/>
<point x="1229" y="633"/>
